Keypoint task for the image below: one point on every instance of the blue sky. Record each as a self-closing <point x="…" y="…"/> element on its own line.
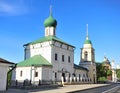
<point x="21" y="21"/>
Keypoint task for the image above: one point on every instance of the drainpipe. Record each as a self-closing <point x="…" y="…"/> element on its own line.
<point x="13" y="67"/>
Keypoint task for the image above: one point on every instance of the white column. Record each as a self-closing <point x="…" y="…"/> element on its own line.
<point x="74" y="79"/>
<point x="77" y="79"/>
<point x="70" y="79"/>
<point x="81" y="78"/>
<point x="62" y="80"/>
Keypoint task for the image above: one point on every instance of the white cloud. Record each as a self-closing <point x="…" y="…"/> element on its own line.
<point x="13" y="8"/>
<point x="6" y="8"/>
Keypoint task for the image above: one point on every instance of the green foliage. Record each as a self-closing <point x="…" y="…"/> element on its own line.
<point x="102" y="79"/>
<point x="109" y="72"/>
<point x="118" y="73"/>
<point x="102" y="73"/>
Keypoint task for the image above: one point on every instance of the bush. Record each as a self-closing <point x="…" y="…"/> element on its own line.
<point x="102" y="79"/>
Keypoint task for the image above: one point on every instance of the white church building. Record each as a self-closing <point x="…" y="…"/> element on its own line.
<point x="52" y="59"/>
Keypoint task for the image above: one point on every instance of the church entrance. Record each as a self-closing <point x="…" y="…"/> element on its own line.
<point x="63" y="75"/>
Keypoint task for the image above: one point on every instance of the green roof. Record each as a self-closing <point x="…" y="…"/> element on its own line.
<point x="80" y="67"/>
<point x="87" y="41"/>
<point x="50" y="21"/>
<point x="47" y="38"/>
<point x="36" y="60"/>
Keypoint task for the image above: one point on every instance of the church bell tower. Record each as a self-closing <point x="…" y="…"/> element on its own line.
<point x="87" y="58"/>
<point x="87" y="52"/>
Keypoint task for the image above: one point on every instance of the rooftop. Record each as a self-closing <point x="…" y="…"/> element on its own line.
<point x="47" y="38"/>
<point x="36" y="60"/>
<point x="5" y="61"/>
<point x="80" y="67"/>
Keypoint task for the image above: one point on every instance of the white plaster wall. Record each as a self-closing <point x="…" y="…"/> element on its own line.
<point x="61" y="49"/>
<point x="87" y="46"/>
<point x="47" y="50"/>
<point x="114" y="75"/>
<point x="25" y="73"/>
<point x="91" y="55"/>
<point x="46" y="73"/>
<point x="49" y="31"/>
<point x="81" y="72"/>
<point x="3" y="76"/>
<point x="39" y="70"/>
<point x="43" y="49"/>
<point x="92" y="69"/>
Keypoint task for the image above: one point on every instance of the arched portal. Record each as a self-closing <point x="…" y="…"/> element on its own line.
<point x="63" y="75"/>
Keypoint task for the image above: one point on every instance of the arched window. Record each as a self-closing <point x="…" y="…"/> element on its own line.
<point x="86" y="55"/>
<point x="56" y="57"/>
<point x="36" y="74"/>
<point x="21" y="72"/>
<point x="69" y="59"/>
<point x="55" y="75"/>
<point x="62" y="58"/>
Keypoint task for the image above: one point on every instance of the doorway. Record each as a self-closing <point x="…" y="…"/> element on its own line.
<point x="63" y="75"/>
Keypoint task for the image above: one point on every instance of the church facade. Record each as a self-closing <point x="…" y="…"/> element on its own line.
<point x="52" y="59"/>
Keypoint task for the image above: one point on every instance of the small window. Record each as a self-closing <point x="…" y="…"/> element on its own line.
<point x="47" y="32"/>
<point x="21" y="72"/>
<point x="69" y="59"/>
<point x="55" y="74"/>
<point x="36" y="74"/>
<point x="63" y="58"/>
<point x="54" y="32"/>
<point x="61" y="46"/>
<point x="56" y="56"/>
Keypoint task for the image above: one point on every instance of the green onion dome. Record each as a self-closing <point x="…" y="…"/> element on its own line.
<point x="50" y="21"/>
<point x="87" y="41"/>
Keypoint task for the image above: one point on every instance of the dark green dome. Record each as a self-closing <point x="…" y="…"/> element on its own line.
<point x="50" y="21"/>
<point x="87" y="41"/>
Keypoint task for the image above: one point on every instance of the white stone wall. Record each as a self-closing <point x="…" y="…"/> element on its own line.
<point x="114" y="75"/>
<point x="49" y="31"/>
<point x="25" y="73"/>
<point x="90" y="54"/>
<point x="91" y="66"/>
<point x="81" y="74"/>
<point x="3" y="76"/>
<point x="59" y="66"/>
<point x="46" y="73"/>
<point x="28" y="73"/>
<point x="43" y="49"/>
<point x="48" y="49"/>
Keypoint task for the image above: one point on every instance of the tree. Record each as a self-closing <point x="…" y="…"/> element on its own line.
<point x="102" y="73"/>
<point x="109" y="72"/>
<point x="118" y="73"/>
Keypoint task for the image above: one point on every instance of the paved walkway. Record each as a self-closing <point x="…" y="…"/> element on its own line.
<point x="66" y="88"/>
